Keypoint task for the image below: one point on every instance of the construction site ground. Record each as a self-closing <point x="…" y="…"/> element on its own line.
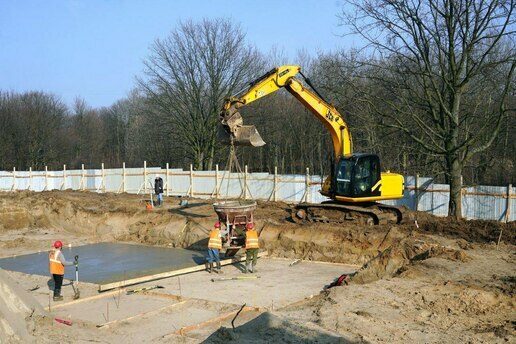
<point x="440" y="281"/>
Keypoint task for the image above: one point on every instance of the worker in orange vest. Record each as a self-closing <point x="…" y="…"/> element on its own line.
<point x="57" y="263"/>
<point x="214" y="246"/>
<point x="251" y="248"/>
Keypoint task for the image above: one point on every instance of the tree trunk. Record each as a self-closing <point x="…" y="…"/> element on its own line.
<point x="455" y="177"/>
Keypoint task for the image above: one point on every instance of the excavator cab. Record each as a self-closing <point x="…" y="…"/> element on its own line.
<point x="357" y="175"/>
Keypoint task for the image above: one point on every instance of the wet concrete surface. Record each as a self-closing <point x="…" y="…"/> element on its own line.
<point x="109" y="262"/>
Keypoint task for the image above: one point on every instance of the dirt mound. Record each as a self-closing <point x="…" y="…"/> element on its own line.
<point x="271" y="328"/>
<point x="479" y="231"/>
<point x="397" y="258"/>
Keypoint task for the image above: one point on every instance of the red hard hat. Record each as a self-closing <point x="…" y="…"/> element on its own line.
<point x="217" y="224"/>
<point x="58" y="244"/>
<point x="250" y="226"/>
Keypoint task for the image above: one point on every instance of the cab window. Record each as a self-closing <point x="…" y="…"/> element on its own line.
<point x="367" y="171"/>
<point x="344" y="172"/>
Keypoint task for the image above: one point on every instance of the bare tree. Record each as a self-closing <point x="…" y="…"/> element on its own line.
<point x="438" y="60"/>
<point x="188" y="75"/>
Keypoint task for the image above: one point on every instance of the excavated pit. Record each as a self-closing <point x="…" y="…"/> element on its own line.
<point x="392" y="266"/>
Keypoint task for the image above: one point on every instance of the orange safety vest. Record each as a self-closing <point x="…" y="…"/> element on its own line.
<point x="215" y="240"/>
<point x="56" y="267"/>
<point x="251" y="239"/>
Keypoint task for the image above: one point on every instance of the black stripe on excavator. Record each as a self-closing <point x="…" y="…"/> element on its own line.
<point x="309" y="83"/>
<point x="266" y="75"/>
<point x="283" y="73"/>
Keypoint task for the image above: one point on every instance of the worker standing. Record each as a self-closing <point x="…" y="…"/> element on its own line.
<point x="158" y="189"/>
<point x="251" y="247"/>
<point x="214" y="246"/>
<point x="57" y="263"/>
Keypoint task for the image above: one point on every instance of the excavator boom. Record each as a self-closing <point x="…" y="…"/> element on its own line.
<point x="274" y="80"/>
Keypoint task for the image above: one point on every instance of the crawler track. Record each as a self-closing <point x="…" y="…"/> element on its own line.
<point x="333" y="212"/>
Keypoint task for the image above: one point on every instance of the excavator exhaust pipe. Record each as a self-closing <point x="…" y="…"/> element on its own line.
<point x="234" y="132"/>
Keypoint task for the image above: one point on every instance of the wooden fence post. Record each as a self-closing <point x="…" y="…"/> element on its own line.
<point x="46" y="178"/>
<point x="307" y="185"/>
<point x="167" y="181"/>
<point x="509" y="204"/>
<point x="275" y="182"/>
<point x="217" y="188"/>
<point x="123" y="177"/>
<point x="245" y="182"/>
<point x="64" y="178"/>
<point x="507" y="213"/>
<point x="191" y="181"/>
<point x="30" y="178"/>
<point x="461" y="195"/>
<point x="103" y="176"/>
<point x="82" y="177"/>
<point x="13" y="187"/>
<point x="145" y="177"/>
<point x="416" y="206"/>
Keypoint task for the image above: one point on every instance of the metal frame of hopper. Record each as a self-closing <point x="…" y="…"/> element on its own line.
<point x="234" y="215"/>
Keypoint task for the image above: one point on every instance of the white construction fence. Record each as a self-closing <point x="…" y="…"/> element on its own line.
<point x="478" y="202"/>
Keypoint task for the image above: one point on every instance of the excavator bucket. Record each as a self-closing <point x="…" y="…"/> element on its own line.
<point x="244" y="135"/>
<point x="247" y="135"/>
<point x="233" y="131"/>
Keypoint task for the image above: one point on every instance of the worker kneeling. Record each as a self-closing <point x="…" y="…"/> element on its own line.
<point x="251" y="247"/>
<point x="57" y="263"/>
<point x="214" y="246"/>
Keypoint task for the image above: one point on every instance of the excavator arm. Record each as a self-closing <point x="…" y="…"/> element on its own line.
<point x="283" y="77"/>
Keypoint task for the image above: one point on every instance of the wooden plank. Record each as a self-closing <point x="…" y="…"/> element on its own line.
<point x="108" y="286"/>
<point x="107" y="324"/>
<point x="184" y="330"/>
<point x="316" y="262"/>
<point x="91" y="298"/>
<point x="165" y="296"/>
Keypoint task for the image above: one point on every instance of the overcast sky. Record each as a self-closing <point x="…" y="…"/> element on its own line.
<point x="93" y="49"/>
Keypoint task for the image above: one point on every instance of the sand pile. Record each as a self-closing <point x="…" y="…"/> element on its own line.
<point x="19" y="312"/>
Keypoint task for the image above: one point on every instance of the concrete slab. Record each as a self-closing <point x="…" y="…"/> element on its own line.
<point x="109" y="262"/>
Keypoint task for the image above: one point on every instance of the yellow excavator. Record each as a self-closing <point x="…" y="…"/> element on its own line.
<point x="355" y="183"/>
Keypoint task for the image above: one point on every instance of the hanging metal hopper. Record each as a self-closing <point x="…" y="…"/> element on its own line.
<point x="235" y="215"/>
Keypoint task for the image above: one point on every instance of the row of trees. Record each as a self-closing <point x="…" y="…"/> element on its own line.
<point x="431" y="92"/>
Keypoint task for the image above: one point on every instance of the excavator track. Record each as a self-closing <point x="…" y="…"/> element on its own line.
<point x="333" y="212"/>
